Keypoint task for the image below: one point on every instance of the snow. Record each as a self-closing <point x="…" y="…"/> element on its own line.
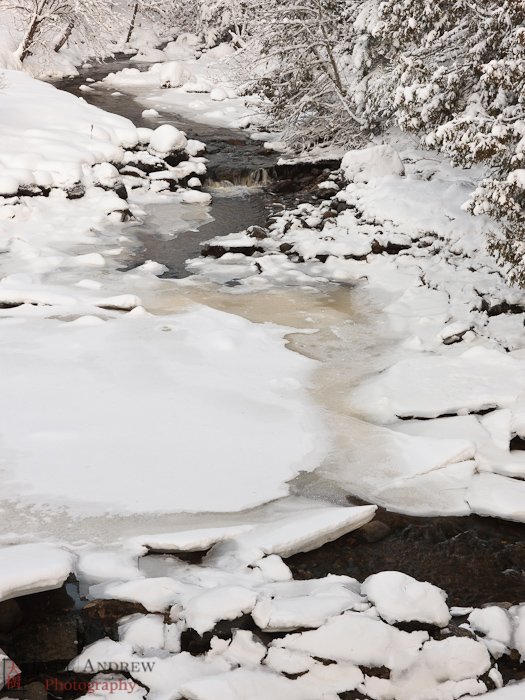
<point x="192" y="370"/>
<point x="477" y="379"/>
<point x="58" y="143"/>
<point x="495" y="626"/>
<point x="191" y="540"/>
<point x="308" y="530"/>
<point x="166" y="139"/>
<point x="308" y="606"/>
<point x="142" y="632"/>
<point x="192" y="197"/>
<point x="203" y="611"/>
<point x="31" y="568"/>
<point x="155" y="594"/>
<point x="367" y="163"/>
<point x="513" y="691"/>
<point x="358" y="639"/>
<point x="400" y="598"/>
<point x="492" y="494"/>
<point x="445" y="668"/>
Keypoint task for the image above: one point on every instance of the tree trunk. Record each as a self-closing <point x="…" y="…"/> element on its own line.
<point x="24" y="48"/>
<point x="132" y="23"/>
<point x="65" y="36"/>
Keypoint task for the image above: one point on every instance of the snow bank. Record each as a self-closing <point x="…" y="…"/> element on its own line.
<point x="55" y="145"/>
<point x="71" y="145"/>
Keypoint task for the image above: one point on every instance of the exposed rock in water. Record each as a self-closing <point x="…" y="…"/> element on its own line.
<point x="99" y="618"/>
<point x="476" y="560"/>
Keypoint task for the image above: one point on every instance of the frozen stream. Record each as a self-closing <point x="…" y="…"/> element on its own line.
<point x="296" y="442"/>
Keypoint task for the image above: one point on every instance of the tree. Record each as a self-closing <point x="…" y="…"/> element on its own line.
<point x="167" y="12"/>
<point x="223" y="20"/>
<point x="49" y="23"/>
<point x="304" y="71"/>
<point x="459" y="81"/>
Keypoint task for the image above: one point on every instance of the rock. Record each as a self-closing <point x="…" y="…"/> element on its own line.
<point x="175" y="158"/>
<point x="10" y="615"/>
<point x="52" y="640"/>
<point x="374" y="531"/>
<point x="31" y="691"/>
<point x="196" y="644"/>
<point x="257" y="232"/>
<point x="53" y="631"/>
<point x="31" y="191"/>
<point x="100" y="618"/>
<point x="286" y="186"/>
<point x="76" y="191"/>
<point x="121" y="191"/>
<point x="217" y="251"/>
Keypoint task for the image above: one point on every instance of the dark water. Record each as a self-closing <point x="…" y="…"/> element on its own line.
<point x="226" y="148"/>
<point x="234" y="159"/>
<point x="475" y="560"/>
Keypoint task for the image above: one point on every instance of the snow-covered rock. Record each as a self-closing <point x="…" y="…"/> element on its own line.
<point x="367" y="163"/>
<point x="400" y="598"/>
<point x="31" y="568"/>
<point x="166" y="139"/>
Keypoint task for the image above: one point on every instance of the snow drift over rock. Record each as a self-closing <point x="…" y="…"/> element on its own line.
<point x="400" y="598"/>
<point x="31" y="568"/>
<point x="378" y="161"/>
<point x="166" y="139"/>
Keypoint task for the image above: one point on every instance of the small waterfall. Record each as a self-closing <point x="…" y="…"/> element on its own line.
<point x="225" y="177"/>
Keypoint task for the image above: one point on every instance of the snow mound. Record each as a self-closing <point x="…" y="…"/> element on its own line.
<point x="368" y="163"/>
<point x="400" y="598"/>
<point x="166" y="139"/>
